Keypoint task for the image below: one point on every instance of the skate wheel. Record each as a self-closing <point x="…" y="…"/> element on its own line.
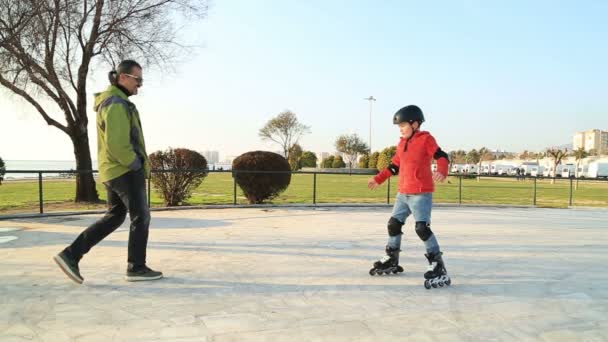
<point x="372" y="272"/>
<point x="427" y="285"/>
<point x="434" y="285"/>
<point x="448" y="282"/>
<point x="399" y="269"/>
<point x="440" y="284"/>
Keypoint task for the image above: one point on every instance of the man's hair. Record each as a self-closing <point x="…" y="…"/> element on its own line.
<point x="125" y="67"/>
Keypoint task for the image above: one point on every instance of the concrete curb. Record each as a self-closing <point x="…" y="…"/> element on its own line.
<point x="293" y="205"/>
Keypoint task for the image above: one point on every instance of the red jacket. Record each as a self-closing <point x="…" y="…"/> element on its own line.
<point x="413" y="162"/>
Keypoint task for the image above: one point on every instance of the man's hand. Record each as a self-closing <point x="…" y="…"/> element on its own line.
<point x="372" y="184"/>
<point x="438" y="177"/>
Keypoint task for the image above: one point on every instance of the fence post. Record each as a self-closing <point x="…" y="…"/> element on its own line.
<point x="535" y="191"/>
<point x="234" y="187"/>
<point x="314" y="189"/>
<point x="40" y="201"/>
<point x="571" y="182"/>
<point x="459" y="189"/>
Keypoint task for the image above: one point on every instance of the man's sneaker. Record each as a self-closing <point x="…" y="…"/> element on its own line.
<point x="143" y="273"/>
<point x="69" y="266"/>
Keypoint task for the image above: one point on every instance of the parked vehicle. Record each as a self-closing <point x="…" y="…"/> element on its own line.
<point x="567" y="170"/>
<point x="598" y="169"/>
<point x="537" y="171"/>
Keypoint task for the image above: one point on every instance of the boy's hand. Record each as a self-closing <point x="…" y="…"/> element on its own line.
<point x="372" y="184"/>
<point x="438" y="177"/>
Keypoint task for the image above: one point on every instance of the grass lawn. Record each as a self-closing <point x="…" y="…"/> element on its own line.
<point x="21" y="196"/>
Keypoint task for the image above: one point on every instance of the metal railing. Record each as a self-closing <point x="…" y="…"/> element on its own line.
<point x="459" y="176"/>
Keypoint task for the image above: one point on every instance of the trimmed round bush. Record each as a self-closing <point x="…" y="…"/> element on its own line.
<point x="261" y="187"/>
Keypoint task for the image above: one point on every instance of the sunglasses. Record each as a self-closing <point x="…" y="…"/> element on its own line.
<point x="137" y="79"/>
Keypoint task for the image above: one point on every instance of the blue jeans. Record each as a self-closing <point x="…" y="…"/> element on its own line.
<point x="420" y="206"/>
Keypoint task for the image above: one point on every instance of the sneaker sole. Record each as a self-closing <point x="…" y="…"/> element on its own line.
<point x="66" y="269"/>
<point x="136" y="278"/>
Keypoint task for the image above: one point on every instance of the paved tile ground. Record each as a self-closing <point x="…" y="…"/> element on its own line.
<point x="301" y="275"/>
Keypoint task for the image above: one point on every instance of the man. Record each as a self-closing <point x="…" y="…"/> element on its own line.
<point x="123" y="169"/>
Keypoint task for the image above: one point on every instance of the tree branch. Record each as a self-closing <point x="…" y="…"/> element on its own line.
<point x="33" y="102"/>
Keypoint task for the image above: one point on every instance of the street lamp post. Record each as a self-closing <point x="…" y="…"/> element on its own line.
<point x="371" y="100"/>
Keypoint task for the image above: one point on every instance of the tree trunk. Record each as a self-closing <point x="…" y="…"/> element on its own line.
<point x="85" y="183"/>
<point x="576" y="175"/>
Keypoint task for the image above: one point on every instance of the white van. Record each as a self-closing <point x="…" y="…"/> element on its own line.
<point x="567" y="170"/>
<point x="537" y="171"/>
<point x="598" y="169"/>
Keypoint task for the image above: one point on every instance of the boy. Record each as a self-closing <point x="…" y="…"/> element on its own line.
<point x="412" y="162"/>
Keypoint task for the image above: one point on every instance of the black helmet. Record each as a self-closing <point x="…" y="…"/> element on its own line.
<point x="411" y="114"/>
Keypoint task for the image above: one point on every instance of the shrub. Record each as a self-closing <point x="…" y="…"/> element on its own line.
<point x="364" y="161"/>
<point x="386" y="157"/>
<point x="373" y="160"/>
<point x="327" y="162"/>
<point x="338" y="163"/>
<point x="176" y="187"/>
<point x="260" y="187"/>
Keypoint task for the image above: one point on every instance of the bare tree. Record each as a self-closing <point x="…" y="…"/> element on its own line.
<point x="295" y="156"/>
<point x="285" y="130"/>
<point x="351" y="146"/>
<point x="557" y="156"/>
<point x="484" y="155"/>
<point x="47" y="49"/>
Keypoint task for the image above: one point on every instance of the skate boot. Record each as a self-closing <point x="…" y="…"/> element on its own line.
<point x="388" y="264"/>
<point x="436" y="274"/>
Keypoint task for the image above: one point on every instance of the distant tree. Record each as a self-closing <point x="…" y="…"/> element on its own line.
<point x="505" y="155"/>
<point x="557" y="156"/>
<point x="352" y="146"/>
<point x="49" y="48"/>
<point x="328" y="162"/>
<point x="295" y="155"/>
<point x="537" y="156"/>
<point x="364" y="161"/>
<point x="386" y="157"/>
<point x="338" y="163"/>
<point x="579" y="155"/>
<point x="458" y="157"/>
<point x="309" y="159"/>
<point x="473" y="157"/>
<point x="285" y="130"/>
<point x="373" y="160"/>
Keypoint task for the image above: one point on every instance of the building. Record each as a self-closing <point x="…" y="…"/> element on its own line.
<point x="213" y="157"/>
<point x="593" y="140"/>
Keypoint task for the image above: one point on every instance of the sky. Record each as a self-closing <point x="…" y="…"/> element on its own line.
<point x="508" y="75"/>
